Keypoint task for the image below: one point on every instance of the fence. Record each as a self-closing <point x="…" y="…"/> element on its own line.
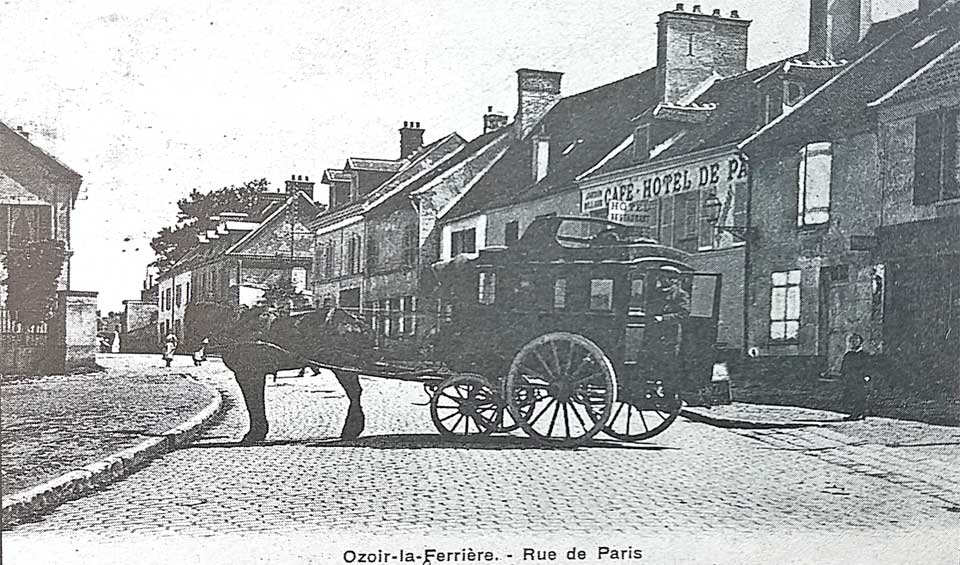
<point x="22" y="348"/>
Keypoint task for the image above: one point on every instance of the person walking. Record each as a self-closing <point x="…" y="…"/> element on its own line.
<point x="855" y="374"/>
<point x="169" y="348"/>
<point x="200" y="355"/>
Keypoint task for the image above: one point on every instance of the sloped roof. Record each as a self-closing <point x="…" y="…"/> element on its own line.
<point x="32" y="167"/>
<point x="377" y="165"/>
<point x="582" y="129"/>
<point x="335" y="175"/>
<point x="411" y="167"/>
<point x="845" y="99"/>
<point x="12" y="192"/>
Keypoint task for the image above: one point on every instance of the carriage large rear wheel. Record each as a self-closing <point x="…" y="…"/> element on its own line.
<point x="465" y="405"/>
<point x="561" y="388"/>
<point x="642" y="418"/>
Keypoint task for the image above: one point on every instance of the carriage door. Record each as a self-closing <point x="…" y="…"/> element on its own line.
<point x="636" y="322"/>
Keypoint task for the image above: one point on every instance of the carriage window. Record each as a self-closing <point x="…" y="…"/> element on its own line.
<point x="560" y="294"/>
<point x="601" y="294"/>
<point x="487" y="292"/>
<point x="636" y="296"/>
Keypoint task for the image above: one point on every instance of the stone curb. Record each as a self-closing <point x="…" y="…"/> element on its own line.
<point x="42" y="498"/>
<point x="736" y="423"/>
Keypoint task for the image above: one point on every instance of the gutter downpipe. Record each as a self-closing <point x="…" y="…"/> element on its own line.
<point x="747" y="251"/>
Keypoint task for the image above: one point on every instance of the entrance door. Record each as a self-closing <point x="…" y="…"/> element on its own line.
<point x="350" y="298"/>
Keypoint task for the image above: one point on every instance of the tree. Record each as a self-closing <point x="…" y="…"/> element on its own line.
<point x="32" y="272"/>
<point x="172" y="243"/>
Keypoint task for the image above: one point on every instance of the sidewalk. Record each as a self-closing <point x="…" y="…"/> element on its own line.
<point x="55" y="425"/>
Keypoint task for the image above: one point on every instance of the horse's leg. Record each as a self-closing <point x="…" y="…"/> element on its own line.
<point x="252" y="385"/>
<point x="353" y="426"/>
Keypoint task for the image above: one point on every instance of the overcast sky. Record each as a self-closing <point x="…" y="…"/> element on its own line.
<point x="148" y="100"/>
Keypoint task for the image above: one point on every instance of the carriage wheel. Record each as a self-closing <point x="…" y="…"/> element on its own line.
<point x="465" y="405"/>
<point x="561" y="388"/>
<point x="640" y="419"/>
<point x="525" y="402"/>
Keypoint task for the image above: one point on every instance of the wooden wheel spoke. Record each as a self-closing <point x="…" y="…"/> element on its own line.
<point x="646" y="428"/>
<point x="573" y="408"/>
<point x="545" y="408"/>
<point x="553" y="376"/>
<point x="566" y="418"/>
<point x="553" y="420"/>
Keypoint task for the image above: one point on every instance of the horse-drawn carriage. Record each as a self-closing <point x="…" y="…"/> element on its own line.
<point x="582" y="327"/>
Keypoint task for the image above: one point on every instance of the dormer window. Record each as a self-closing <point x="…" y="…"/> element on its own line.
<point x="541" y="158"/>
<point x="641" y="142"/>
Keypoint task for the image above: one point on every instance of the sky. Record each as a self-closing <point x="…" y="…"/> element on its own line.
<point x="149" y="100"/>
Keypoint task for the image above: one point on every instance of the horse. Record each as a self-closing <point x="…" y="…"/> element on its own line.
<point x="258" y="342"/>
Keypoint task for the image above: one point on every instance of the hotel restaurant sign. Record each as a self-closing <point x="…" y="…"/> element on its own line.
<point x="630" y="199"/>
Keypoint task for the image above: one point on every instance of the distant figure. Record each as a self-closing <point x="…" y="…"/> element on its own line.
<point x="115" y="346"/>
<point x="855" y="372"/>
<point x="169" y="348"/>
<point x="200" y="355"/>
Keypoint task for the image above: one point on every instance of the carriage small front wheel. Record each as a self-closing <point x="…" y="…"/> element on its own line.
<point x="561" y="388"/>
<point x="465" y="405"/>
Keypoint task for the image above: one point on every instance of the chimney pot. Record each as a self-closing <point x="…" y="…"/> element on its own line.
<point x="299" y="177"/>
<point x="734" y="14"/>
<point x="679" y="7"/>
<point x="306" y="178"/>
<point x="716" y="12"/>
<point x="696" y="8"/>
<point x="293" y="177"/>
<point x="489" y="108"/>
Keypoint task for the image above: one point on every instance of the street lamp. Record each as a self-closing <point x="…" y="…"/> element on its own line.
<point x="711" y="209"/>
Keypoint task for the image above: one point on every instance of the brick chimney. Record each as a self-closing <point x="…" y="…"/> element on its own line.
<point x="537" y="92"/>
<point x="300" y="183"/>
<point x="411" y="139"/>
<point x="492" y="121"/>
<point x="692" y="46"/>
<point x="836" y="26"/>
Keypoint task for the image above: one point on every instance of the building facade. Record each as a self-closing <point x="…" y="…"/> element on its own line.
<point x="855" y="200"/>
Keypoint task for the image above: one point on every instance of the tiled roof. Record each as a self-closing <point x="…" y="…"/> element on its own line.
<point x="378" y="165"/>
<point x="845" y="99"/>
<point x="582" y="129"/>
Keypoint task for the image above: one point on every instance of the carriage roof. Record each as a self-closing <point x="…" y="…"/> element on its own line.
<point x="574" y="240"/>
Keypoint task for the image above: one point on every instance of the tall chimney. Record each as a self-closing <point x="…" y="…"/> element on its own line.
<point x="693" y="46"/>
<point x="836" y="26"/>
<point x="411" y="139"/>
<point x="300" y="183"/>
<point x="492" y="121"/>
<point x="537" y="92"/>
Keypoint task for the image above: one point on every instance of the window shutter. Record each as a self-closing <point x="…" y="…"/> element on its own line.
<point x="926" y="163"/>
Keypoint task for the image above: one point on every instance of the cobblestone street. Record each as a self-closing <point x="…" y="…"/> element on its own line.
<point x="400" y="479"/>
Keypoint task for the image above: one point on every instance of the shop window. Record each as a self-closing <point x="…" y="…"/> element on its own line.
<point x="463" y="241"/>
<point x="785" y="305"/>
<point x="511" y="233"/>
<point x="486" y="293"/>
<point x="560" y="294"/>
<point x="601" y="294"/>
<point x="813" y="184"/>
<point x="188" y="293"/>
<point x="408" y="316"/>
<point x="936" y="158"/>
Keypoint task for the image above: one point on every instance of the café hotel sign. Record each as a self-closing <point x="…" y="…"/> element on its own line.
<point x="631" y="199"/>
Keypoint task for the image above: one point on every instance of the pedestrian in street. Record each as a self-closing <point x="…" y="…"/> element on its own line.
<point x="169" y="348"/>
<point x="855" y="374"/>
<point x="200" y="355"/>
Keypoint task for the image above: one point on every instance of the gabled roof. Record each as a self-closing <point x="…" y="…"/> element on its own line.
<point x="308" y="209"/>
<point x="582" y="129"/>
<point x="336" y="175"/>
<point x="844" y="100"/>
<point x="32" y="167"/>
